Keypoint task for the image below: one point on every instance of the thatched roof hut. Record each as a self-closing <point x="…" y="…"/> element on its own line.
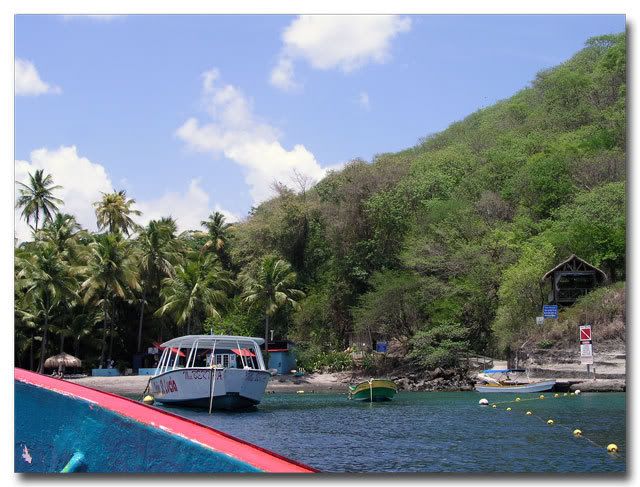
<point x="63" y="359"/>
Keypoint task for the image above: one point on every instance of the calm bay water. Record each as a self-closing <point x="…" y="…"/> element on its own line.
<point x="433" y="432"/>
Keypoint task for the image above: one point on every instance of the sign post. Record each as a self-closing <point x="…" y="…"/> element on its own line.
<point x="539" y="320"/>
<point x="586" y="347"/>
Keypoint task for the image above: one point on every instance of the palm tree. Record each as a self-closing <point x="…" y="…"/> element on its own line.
<point x="64" y="233"/>
<point x="81" y="326"/>
<point x="114" y="211"/>
<point x="110" y="274"/>
<point x="197" y="290"/>
<point x="47" y="280"/>
<point x="217" y="231"/>
<point x="157" y="251"/>
<point x="26" y="326"/>
<point x="36" y="198"/>
<point x="271" y="287"/>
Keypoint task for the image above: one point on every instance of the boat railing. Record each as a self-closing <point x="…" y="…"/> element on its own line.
<point x="170" y="362"/>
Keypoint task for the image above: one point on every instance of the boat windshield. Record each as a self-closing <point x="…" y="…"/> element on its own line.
<point x="203" y="351"/>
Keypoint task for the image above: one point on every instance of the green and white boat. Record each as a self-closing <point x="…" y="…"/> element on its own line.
<point x="373" y="390"/>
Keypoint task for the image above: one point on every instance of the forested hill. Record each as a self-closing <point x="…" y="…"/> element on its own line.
<point x="443" y="245"/>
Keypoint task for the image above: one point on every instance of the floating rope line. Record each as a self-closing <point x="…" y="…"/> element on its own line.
<point x="539" y="398"/>
<point x="576" y="433"/>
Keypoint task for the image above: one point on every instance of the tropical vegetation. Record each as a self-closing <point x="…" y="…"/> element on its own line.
<point x="439" y="248"/>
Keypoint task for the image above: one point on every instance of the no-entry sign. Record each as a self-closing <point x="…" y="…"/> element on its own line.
<point x="585" y="333"/>
<point x="586" y="345"/>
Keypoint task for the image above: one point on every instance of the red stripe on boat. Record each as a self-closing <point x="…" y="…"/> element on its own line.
<point x="219" y="441"/>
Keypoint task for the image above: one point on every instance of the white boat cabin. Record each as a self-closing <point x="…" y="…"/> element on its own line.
<point x="205" y="351"/>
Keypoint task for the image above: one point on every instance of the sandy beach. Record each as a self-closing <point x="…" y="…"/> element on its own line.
<point x="131" y="385"/>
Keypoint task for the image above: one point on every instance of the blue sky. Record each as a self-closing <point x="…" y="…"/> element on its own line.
<point x="195" y="113"/>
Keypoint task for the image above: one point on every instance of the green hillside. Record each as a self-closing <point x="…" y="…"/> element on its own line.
<point x="440" y="246"/>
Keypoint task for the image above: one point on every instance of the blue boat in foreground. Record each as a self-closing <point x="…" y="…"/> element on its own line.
<point x="65" y="427"/>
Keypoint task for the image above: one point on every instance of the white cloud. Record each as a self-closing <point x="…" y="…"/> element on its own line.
<point x="237" y="134"/>
<point x="28" y="80"/>
<point x="188" y="208"/>
<point x="282" y="75"/>
<point x="363" y="100"/>
<point x="82" y="182"/>
<point x="345" y="42"/>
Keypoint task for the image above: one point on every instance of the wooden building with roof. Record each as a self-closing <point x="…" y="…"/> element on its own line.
<point x="570" y="279"/>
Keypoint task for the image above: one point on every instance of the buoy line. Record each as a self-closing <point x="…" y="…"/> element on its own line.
<point x="611" y="448"/>
<point x="577" y="433"/>
<point x="539" y="398"/>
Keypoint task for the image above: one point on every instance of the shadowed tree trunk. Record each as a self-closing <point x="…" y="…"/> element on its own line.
<point x="140" y="323"/>
<point x="112" y="329"/>
<point x="266" y="340"/>
<point x="31" y="352"/>
<point x="104" y="332"/>
<point x="43" y="348"/>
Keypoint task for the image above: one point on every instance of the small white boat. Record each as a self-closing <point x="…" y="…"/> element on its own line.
<point x="210" y="371"/>
<point x="508" y="380"/>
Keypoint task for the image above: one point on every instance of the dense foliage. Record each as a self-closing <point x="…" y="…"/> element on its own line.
<point x="441" y="246"/>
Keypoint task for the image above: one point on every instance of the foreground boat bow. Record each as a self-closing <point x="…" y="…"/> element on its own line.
<point x="62" y="426"/>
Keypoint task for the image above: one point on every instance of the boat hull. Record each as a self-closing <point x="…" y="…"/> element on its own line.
<point x="536" y="387"/>
<point x="376" y="390"/>
<point x="232" y="388"/>
<point x="65" y="426"/>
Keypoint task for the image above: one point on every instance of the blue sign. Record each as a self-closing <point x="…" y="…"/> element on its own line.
<point x="550" y="311"/>
<point x="381" y="347"/>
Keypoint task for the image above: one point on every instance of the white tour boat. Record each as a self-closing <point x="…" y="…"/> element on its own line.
<point x="211" y="371"/>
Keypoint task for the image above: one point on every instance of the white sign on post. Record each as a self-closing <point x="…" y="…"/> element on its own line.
<point x="539" y="320"/>
<point x="586" y="346"/>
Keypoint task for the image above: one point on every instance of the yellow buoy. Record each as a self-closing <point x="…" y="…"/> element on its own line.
<point x="612" y="448"/>
<point x="148" y="400"/>
<point x="517" y="398"/>
<point x="549" y="421"/>
<point x="541" y="396"/>
<point x="573" y="393"/>
<point x="565" y="394"/>
<point x="556" y="395"/>
<point x="529" y="413"/>
<point x="577" y="432"/>
<point x="508" y="409"/>
<point x="494" y="406"/>
<point x="300" y="392"/>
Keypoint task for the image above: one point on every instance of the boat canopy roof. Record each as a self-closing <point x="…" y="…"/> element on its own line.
<point x="501" y="371"/>
<point x="207" y="341"/>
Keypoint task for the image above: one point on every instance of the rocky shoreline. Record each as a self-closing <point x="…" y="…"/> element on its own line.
<point x="438" y="380"/>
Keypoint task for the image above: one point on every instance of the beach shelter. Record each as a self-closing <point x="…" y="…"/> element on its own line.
<point x="62" y="361"/>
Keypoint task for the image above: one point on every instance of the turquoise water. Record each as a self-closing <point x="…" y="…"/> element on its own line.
<point x="434" y="432"/>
